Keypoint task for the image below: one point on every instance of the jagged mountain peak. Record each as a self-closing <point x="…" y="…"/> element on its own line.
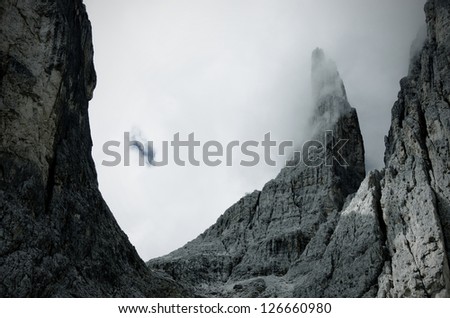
<point x="326" y="80"/>
<point x="328" y="90"/>
<point x="255" y="243"/>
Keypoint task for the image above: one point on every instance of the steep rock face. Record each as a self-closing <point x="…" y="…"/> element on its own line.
<point x="347" y="254"/>
<point x="57" y="235"/>
<point x="254" y="244"/>
<point x="416" y="187"/>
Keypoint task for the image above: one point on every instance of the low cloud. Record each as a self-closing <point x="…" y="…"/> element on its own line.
<point x="143" y="146"/>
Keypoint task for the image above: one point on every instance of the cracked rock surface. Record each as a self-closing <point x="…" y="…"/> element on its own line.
<point x="416" y="186"/>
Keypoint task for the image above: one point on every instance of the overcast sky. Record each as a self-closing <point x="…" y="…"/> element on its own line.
<point x="229" y="70"/>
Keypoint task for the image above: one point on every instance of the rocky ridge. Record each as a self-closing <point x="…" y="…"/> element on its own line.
<point x="324" y="231"/>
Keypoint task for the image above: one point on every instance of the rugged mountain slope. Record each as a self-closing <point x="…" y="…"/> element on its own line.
<point x="416" y="186"/>
<point x="307" y="234"/>
<point x="57" y="235"/>
<point x="255" y="243"/>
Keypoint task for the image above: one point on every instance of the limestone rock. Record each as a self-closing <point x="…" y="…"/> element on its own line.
<point x="347" y="254"/>
<point x="416" y="187"/>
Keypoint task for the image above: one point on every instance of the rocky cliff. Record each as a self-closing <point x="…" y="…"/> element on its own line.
<point x="57" y="235"/>
<point x="325" y="230"/>
<point x="415" y="198"/>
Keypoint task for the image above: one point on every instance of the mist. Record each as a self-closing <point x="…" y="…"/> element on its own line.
<point x="229" y="70"/>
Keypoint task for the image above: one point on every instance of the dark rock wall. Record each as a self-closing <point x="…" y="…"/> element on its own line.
<point x="57" y="235"/>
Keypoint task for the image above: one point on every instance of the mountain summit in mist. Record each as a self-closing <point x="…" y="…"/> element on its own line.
<point x="326" y="230"/>
<point x="258" y="244"/>
<point x="331" y="231"/>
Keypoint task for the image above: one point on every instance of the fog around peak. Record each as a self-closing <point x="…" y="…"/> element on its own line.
<point x="231" y="70"/>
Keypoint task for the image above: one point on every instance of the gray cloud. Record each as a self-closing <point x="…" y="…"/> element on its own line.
<point x="143" y="145"/>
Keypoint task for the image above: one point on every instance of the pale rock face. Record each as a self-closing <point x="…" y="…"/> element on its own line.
<point x="347" y="254"/>
<point x="311" y="233"/>
<point x="57" y="235"/>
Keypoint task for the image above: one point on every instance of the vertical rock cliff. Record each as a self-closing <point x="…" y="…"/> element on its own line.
<point x="416" y="186"/>
<point x="57" y="235"/>
<point x="323" y="231"/>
